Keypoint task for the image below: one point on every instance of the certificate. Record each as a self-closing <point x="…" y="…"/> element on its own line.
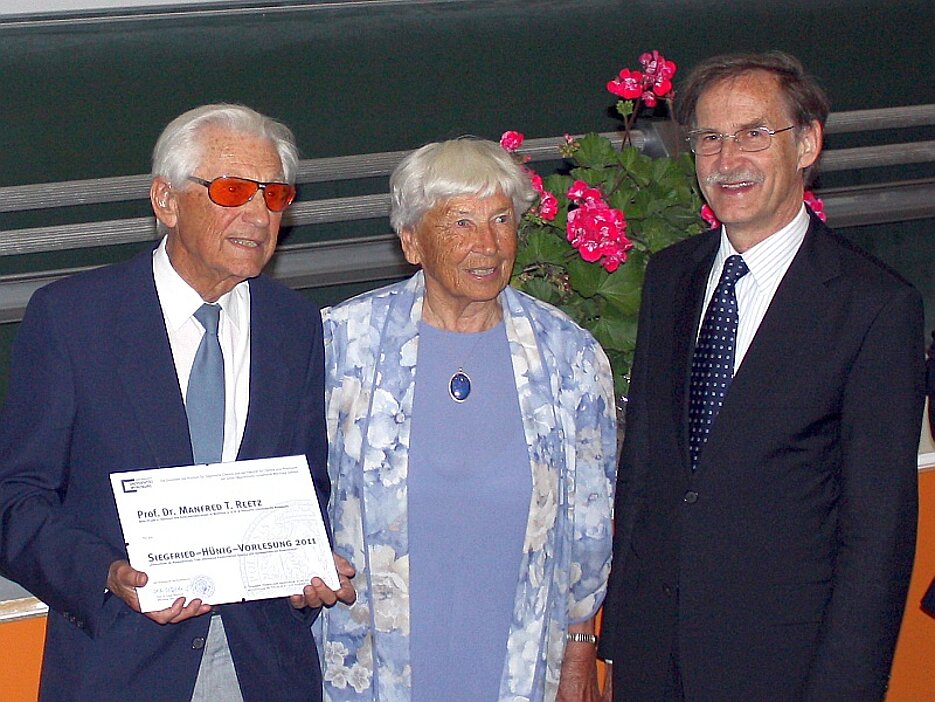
<point x="223" y="532"/>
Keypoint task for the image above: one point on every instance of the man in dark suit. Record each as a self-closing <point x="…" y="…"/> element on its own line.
<point x="766" y="503"/>
<point x="103" y="380"/>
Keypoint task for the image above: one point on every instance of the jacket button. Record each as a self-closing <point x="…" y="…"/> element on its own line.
<point x="667" y="590"/>
<point x="691" y="497"/>
<point x="198" y="643"/>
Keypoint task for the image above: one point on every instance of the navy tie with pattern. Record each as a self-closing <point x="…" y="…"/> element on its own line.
<point x="713" y="360"/>
<point x="204" y="402"/>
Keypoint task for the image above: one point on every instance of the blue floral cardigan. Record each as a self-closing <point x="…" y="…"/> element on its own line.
<point x="565" y="392"/>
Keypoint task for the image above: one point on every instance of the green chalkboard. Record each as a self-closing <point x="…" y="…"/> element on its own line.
<point x="87" y="100"/>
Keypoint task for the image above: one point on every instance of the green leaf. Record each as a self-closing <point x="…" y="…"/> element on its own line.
<point x="585" y="277"/>
<point x="621" y="362"/>
<point x="537" y="287"/>
<point x="558" y="185"/>
<point x="543" y="245"/>
<point x="594" y="151"/>
<point x="622" y="198"/>
<point x="614" y="332"/>
<point x="622" y="288"/>
<point x="662" y="168"/>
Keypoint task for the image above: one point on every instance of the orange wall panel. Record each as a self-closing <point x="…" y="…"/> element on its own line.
<point x="913" y="677"/>
<point x="21" y="659"/>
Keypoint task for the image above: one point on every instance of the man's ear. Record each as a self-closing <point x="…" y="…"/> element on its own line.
<point x="809" y="144"/>
<point x="164" y="202"/>
<point x="410" y="242"/>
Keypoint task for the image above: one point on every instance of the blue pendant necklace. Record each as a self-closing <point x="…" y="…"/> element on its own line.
<point x="459" y="387"/>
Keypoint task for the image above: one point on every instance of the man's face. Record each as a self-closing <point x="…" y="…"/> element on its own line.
<point x="754" y="194"/>
<point x="214" y="248"/>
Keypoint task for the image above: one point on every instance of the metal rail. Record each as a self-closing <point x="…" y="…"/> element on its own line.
<point x="376" y="258"/>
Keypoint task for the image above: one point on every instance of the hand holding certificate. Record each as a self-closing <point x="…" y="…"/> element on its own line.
<point x="224" y="532"/>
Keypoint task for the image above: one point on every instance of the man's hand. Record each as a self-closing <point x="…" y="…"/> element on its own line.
<point x="122" y="581"/>
<point x="317" y="594"/>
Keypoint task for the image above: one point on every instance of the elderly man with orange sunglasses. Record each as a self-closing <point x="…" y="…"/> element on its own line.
<point x="102" y="380"/>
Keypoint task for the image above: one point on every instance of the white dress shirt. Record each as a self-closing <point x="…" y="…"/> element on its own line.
<point x="768" y="262"/>
<point x="179" y="301"/>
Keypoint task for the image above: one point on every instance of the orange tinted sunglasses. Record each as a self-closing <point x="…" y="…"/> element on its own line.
<point x="231" y="191"/>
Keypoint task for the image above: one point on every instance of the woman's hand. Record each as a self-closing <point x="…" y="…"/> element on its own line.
<point x="578" y="681"/>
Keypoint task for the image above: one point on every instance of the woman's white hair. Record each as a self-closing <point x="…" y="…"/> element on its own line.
<point x="179" y="149"/>
<point x="442" y="170"/>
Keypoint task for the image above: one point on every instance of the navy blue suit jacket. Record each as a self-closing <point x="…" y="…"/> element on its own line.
<point x="779" y="568"/>
<point x="93" y="390"/>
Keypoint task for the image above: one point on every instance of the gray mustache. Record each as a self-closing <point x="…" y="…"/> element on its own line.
<point x="718" y="178"/>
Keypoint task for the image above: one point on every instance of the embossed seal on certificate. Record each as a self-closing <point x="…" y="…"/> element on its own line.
<point x="201" y="586"/>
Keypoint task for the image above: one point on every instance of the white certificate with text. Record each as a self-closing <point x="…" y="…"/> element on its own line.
<point x="224" y="532"/>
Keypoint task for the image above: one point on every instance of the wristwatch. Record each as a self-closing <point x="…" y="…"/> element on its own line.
<point x="581" y="638"/>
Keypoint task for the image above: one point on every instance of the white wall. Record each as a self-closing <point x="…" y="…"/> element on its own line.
<point x="49" y="7"/>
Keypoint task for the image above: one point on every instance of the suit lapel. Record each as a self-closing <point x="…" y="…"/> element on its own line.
<point x="267" y="376"/>
<point x="144" y="366"/>
<point x="795" y="319"/>
<point x="689" y="301"/>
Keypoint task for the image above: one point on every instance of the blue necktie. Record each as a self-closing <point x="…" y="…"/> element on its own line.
<point x="713" y="361"/>
<point x="204" y="402"/>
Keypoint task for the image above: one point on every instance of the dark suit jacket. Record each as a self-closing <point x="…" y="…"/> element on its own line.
<point x="93" y="390"/>
<point x="780" y="566"/>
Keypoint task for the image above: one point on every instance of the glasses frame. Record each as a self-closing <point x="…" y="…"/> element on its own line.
<point x="721" y="137"/>
<point x="260" y="187"/>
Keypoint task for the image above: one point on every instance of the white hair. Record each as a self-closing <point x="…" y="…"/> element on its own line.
<point x="179" y="149"/>
<point x="442" y="170"/>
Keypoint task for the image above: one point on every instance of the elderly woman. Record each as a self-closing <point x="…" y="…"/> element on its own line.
<point x="472" y="442"/>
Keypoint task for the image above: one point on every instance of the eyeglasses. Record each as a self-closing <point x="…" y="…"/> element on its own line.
<point x="707" y="142"/>
<point x="231" y="191"/>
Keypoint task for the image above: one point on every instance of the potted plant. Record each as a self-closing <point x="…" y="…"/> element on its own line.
<point x="584" y="245"/>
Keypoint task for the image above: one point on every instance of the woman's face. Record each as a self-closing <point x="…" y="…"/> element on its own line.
<point x="466" y="246"/>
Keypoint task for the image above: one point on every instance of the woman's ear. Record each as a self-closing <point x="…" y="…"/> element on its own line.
<point x="410" y="242"/>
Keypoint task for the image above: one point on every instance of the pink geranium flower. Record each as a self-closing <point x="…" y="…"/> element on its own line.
<point x="816" y="205"/>
<point x="597" y="230"/>
<point x="548" y="206"/>
<point x="548" y="203"/>
<point x="580" y="192"/>
<point x="658" y="73"/>
<point x="511" y="140"/>
<point x="627" y="85"/>
<point x="707" y="214"/>
<point x="649" y="98"/>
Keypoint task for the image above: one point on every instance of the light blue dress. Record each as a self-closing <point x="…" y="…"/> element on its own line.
<point x="469" y="492"/>
<point x="562" y="381"/>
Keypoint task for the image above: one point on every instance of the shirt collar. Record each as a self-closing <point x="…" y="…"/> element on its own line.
<point x="765" y="260"/>
<point x="179" y="300"/>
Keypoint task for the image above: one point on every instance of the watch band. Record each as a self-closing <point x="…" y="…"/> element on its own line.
<point x="581" y="638"/>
